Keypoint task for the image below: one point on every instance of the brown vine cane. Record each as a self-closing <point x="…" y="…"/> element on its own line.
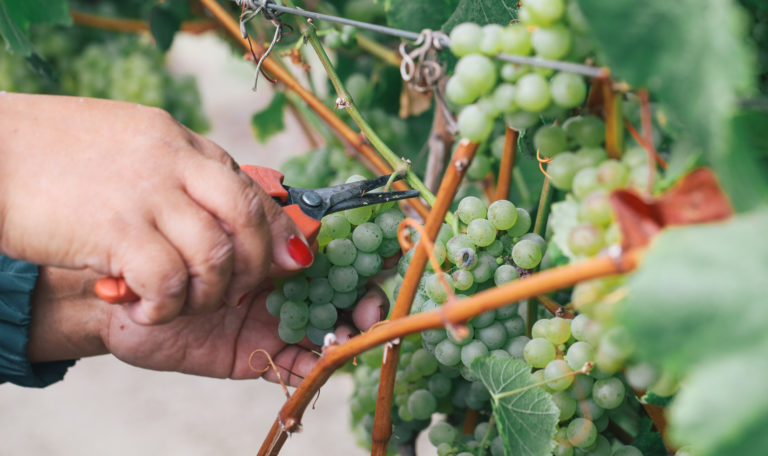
<point x="382" y="427"/>
<point x="355" y="139"/>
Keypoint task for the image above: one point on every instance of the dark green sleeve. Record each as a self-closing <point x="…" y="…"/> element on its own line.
<point x="17" y="280"/>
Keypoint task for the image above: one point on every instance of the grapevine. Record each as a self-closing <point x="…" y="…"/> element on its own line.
<point x="533" y="311"/>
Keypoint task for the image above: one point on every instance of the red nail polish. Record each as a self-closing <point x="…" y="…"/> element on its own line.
<point x="299" y="251"/>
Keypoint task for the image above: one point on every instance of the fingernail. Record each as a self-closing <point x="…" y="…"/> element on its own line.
<point x="299" y="251"/>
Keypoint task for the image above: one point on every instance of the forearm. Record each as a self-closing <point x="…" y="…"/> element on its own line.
<point x="67" y="318"/>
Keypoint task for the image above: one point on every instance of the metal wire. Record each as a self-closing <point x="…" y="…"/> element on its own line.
<point x="570" y="67"/>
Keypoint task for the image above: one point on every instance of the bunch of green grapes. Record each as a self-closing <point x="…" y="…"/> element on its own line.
<point x="353" y="245"/>
<point x="105" y="65"/>
<point x="551" y="29"/>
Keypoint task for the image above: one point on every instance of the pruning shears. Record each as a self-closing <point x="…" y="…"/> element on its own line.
<point x="305" y="206"/>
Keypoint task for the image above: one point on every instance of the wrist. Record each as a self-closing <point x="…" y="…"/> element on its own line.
<point x="67" y="320"/>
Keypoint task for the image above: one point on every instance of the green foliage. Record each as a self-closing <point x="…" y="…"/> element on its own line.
<point x="417" y="15"/>
<point x="482" y="12"/>
<point x="694" y="57"/>
<point x="16" y="17"/>
<point x="269" y="120"/>
<point x="526" y="420"/>
<point x="163" y="24"/>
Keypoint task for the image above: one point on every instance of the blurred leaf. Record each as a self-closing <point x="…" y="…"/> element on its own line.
<point x="17" y="15"/>
<point x="723" y="409"/>
<point x="649" y="440"/>
<point x="654" y="399"/>
<point x="482" y="12"/>
<point x="691" y="54"/>
<point x="269" y="121"/>
<point x="417" y="15"/>
<point x="700" y="292"/>
<point x="163" y="23"/>
<point x="527" y="419"/>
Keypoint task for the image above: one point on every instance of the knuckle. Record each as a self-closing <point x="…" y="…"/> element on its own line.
<point x="219" y="254"/>
<point x="174" y="284"/>
<point x="252" y="206"/>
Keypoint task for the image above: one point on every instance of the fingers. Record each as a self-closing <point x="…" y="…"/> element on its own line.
<point x="206" y="249"/>
<point x="153" y="268"/>
<point x="238" y="206"/>
<point x="370" y="309"/>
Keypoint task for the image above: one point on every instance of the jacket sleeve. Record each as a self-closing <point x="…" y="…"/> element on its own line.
<point x="17" y="280"/>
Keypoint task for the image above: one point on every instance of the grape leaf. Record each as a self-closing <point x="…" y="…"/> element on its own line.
<point x="269" y="121"/>
<point x="691" y="54"/>
<point x="163" y="23"/>
<point x="16" y="17"/>
<point x="526" y="420"/>
<point x="482" y="12"/>
<point x="700" y="292"/>
<point x="723" y="408"/>
<point x="417" y="15"/>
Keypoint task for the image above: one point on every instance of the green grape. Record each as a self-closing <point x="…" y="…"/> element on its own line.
<point x="589" y="157"/>
<point x="458" y="93"/>
<point x="439" y="385"/>
<point x="462" y="279"/>
<point x="550" y="140"/>
<point x="485" y="268"/>
<point x="552" y="42"/>
<point x="296" y="288"/>
<point x="320" y="291"/>
<point x="322" y="316"/>
<point x="333" y="40"/>
<point x="465" y="39"/>
<point x="641" y="376"/>
<point x="367" y="264"/>
<point x="341" y="252"/>
<point x="388" y="222"/>
<point x="274" y="302"/>
<point x="608" y="393"/>
<point x="442" y="432"/>
<point x="475" y="70"/>
<point x="448" y="353"/>
<point x="290" y="335"/>
<point x="538" y="352"/>
<point x="504" y="98"/>
<point x="615" y="346"/>
<point x="595" y="208"/>
<point x="367" y="237"/>
<point x="490" y="42"/>
<point x="557" y="375"/>
<point x="526" y="254"/>
<point x="581" y="388"/>
<point x="335" y="226"/>
<point x="516" y="40"/>
<point x="424" y="362"/>
<point x="576" y="18"/>
<point x="481" y="232"/>
<point x="612" y="174"/>
<point x="638" y="178"/>
<point x="511" y="72"/>
<point x="502" y="214"/>
<point x="561" y="170"/>
<point x="579" y="354"/>
<point x="493" y="336"/>
<point x="532" y="93"/>
<point x="521" y="120"/>
<point x="587" y="131"/>
<point x="581" y="433"/>
<point x="477" y="395"/>
<point x="471" y="208"/>
<point x="474" y="123"/>
<point x="558" y="330"/>
<point x="522" y="224"/>
<point x="343" y="278"/>
<point x="504" y="274"/>
<point x="634" y="156"/>
<point x="568" y="90"/>
<point x="515" y="326"/>
<point x="538" y="330"/>
<point x="495" y="249"/>
<point x="545" y="12"/>
<point x="665" y="386"/>
<point x="585" y="239"/>
<point x="584" y="182"/>
<point x="319" y="268"/>
<point x="516" y="346"/>
<point x="344" y="300"/>
<point x="294" y="315"/>
<point x="540" y="241"/>
<point x="389" y="248"/>
<point x="422" y="404"/>
<point x="435" y="287"/>
<point x="565" y="403"/>
<point x="480" y="167"/>
<point x="433" y="336"/>
<point x="358" y="215"/>
<point x="317" y="335"/>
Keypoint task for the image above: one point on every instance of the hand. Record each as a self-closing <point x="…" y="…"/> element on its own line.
<point x="127" y="191"/>
<point x="68" y="322"/>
